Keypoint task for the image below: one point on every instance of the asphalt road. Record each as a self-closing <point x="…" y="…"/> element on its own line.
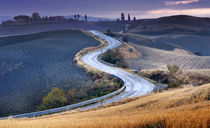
<point x="135" y="85"/>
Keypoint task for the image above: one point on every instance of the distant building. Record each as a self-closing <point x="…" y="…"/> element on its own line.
<point x="36" y="19"/>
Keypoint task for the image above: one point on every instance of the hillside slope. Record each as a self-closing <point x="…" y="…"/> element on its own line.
<point x="181" y="31"/>
<point x="187" y="107"/>
<point x="196" y="44"/>
<point x="158" y="59"/>
<point x="30" y="63"/>
<point x="146" y="41"/>
<point x="181" y="24"/>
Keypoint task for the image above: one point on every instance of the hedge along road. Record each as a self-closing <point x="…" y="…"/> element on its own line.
<point x="134" y="86"/>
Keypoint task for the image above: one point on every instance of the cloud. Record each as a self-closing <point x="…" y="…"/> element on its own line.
<point x="200" y="12"/>
<point x="168" y="12"/>
<point x="180" y="2"/>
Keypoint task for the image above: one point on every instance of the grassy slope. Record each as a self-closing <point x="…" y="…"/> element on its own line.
<point x="30" y="65"/>
<point x="156" y="59"/>
<point x="190" y="33"/>
<point x="156" y="54"/>
<point x="193" y="43"/>
<point x="172" y="25"/>
<point x="186" y="107"/>
<point x="146" y="41"/>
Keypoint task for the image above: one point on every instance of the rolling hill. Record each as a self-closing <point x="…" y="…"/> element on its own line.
<point x="158" y="59"/>
<point x="187" y="107"/>
<point x="179" y="24"/>
<point x="34" y="62"/>
<point x="181" y="31"/>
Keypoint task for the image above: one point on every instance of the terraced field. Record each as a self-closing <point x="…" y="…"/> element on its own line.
<point x="158" y="59"/>
<point x="193" y="43"/>
<point x="146" y="41"/>
<point x="30" y="65"/>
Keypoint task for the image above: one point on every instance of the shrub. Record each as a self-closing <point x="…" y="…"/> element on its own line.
<point x="130" y="50"/>
<point x="103" y="84"/>
<point x="114" y="57"/>
<point x="91" y="74"/>
<point x="109" y="32"/>
<point x="173" y="72"/>
<point x="55" y="98"/>
<point x="72" y="95"/>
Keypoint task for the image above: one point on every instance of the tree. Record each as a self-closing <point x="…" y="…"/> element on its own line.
<point x="114" y="57"/>
<point x="86" y="18"/>
<point x="78" y="16"/>
<point x="134" y="18"/>
<point x="173" y="69"/>
<point x="129" y="17"/>
<point x="75" y="16"/>
<point x="173" y="72"/>
<point x="72" y="95"/>
<point x="122" y="17"/>
<point x="109" y="32"/>
<point x="55" y="98"/>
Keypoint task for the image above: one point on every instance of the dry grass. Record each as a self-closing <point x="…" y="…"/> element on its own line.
<point x="159" y="59"/>
<point x="129" y="52"/>
<point x="190" y="77"/>
<point x="186" y="107"/>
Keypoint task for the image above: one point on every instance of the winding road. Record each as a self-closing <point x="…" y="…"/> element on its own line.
<point x="134" y="85"/>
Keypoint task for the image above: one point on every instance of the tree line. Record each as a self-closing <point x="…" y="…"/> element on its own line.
<point x="123" y="18"/>
<point x="36" y="18"/>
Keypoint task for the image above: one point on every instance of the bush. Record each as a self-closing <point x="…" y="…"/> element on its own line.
<point x="91" y="74"/>
<point x="55" y="98"/>
<point x="114" y="57"/>
<point x="173" y="72"/>
<point x="109" y="32"/>
<point x="104" y="84"/>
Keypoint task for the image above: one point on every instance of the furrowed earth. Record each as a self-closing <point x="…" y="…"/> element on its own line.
<point x="30" y="63"/>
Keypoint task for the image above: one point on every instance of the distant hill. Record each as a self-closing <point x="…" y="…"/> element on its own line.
<point x="179" y="24"/>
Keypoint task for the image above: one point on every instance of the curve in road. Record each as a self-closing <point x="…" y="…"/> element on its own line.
<point x="135" y="85"/>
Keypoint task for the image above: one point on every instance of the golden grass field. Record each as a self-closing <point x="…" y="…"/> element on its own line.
<point x="187" y="107"/>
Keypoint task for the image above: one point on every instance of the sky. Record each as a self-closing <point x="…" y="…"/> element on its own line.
<point x="106" y="8"/>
